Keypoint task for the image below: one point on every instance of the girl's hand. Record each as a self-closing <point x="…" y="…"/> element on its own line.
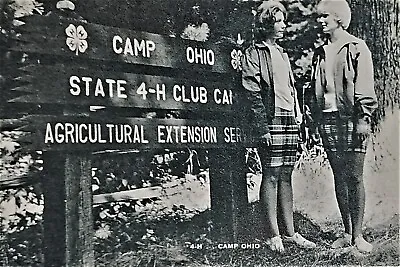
<point x="266" y="139"/>
<point x="314" y="138"/>
<point x="363" y="128"/>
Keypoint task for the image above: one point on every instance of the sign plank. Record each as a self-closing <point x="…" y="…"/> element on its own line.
<point x="92" y="134"/>
<point x="135" y="194"/>
<point x="60" y="84"/>
<point x="54" y="36"/>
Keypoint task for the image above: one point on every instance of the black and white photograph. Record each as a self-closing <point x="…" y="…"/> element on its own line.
<point x="199" y="133"/>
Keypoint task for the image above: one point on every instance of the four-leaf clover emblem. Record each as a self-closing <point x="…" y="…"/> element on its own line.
<point x="76" y="38"/>
<point x="236" y="56"/>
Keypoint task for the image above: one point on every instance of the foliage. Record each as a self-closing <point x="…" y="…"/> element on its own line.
<point x="14" y="161"/>
<point x="23" y="8"/>
<point x="198" y="33"/>
<point x="128" y="171"/>
<point x="25" y="247"/>
<point x="15" y="165"/>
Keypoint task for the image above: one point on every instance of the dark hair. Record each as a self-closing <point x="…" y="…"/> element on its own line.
<point x="265" y="18"/>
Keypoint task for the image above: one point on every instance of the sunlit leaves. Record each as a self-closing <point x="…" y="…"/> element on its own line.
<point x="23" y="8"/>
<point x="197" y="33"/>
<point x="103" y="232"/>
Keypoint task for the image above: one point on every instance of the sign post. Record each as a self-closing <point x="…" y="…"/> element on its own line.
<point x="68" y="225"/>
<point x="228" y="189"/>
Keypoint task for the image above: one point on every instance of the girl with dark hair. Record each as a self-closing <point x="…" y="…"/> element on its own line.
<point x="269" y="86"/>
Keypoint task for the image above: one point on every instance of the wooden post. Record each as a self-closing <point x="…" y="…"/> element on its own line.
<point x="68" y="220"/>
<point x="229" y="197"/>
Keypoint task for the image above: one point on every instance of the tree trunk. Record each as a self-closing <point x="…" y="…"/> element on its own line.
<point x="377" y="22"/>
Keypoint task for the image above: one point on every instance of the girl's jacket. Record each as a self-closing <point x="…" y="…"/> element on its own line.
<point x="353" y="79"/>
<point x="258" y="82"/>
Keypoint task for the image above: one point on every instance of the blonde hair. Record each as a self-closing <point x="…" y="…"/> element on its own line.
<point x="339" y="8"/>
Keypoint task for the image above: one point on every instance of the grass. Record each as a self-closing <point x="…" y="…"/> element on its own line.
<point x="158" y="235"/>
<point x="171" y="247"/>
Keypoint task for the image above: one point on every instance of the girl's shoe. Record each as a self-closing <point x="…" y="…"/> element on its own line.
<point x="362" y="245"/>
<point x="300" y="241"/>
<point x="343" y="241"/>
<point x="275" y="244"/>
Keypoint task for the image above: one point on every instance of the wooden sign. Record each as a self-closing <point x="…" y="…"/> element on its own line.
<point x="69" y="140"/>
<point x="54" y="36"/>
<point x="90" y="134"/>
<point x="60" y="84"/>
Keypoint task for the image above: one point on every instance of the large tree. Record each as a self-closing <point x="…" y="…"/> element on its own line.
<point x="377" y="22"/>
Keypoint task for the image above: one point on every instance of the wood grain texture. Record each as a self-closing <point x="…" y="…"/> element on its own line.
<point x="93" y="134"/>
<point x="228" y="193"/>
<point x="47" y="35"/>
<point x="77" y="85"/>
<point x="68" y="225"/>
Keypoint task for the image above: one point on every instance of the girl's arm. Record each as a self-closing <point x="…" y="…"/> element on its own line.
<point x="251" y="81"/>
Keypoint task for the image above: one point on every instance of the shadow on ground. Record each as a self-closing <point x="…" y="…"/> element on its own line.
<point x="192" y="241"/>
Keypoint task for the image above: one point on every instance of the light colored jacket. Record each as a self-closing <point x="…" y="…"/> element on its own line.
<point x="353" y="80"/>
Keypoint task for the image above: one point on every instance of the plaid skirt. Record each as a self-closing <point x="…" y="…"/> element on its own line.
<point x="285" y="140"/>
<point x="339" y="135"/>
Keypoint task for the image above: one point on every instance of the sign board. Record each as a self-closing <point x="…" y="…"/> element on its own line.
<point x="61" y="84"/>
<point x="53" y="36"/>
<point x="69" y="42"/>
<point x="90" y="134"/>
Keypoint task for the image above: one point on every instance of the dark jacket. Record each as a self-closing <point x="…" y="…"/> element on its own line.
<point x="353" y="78"/>
<point x="257" y="80"/>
